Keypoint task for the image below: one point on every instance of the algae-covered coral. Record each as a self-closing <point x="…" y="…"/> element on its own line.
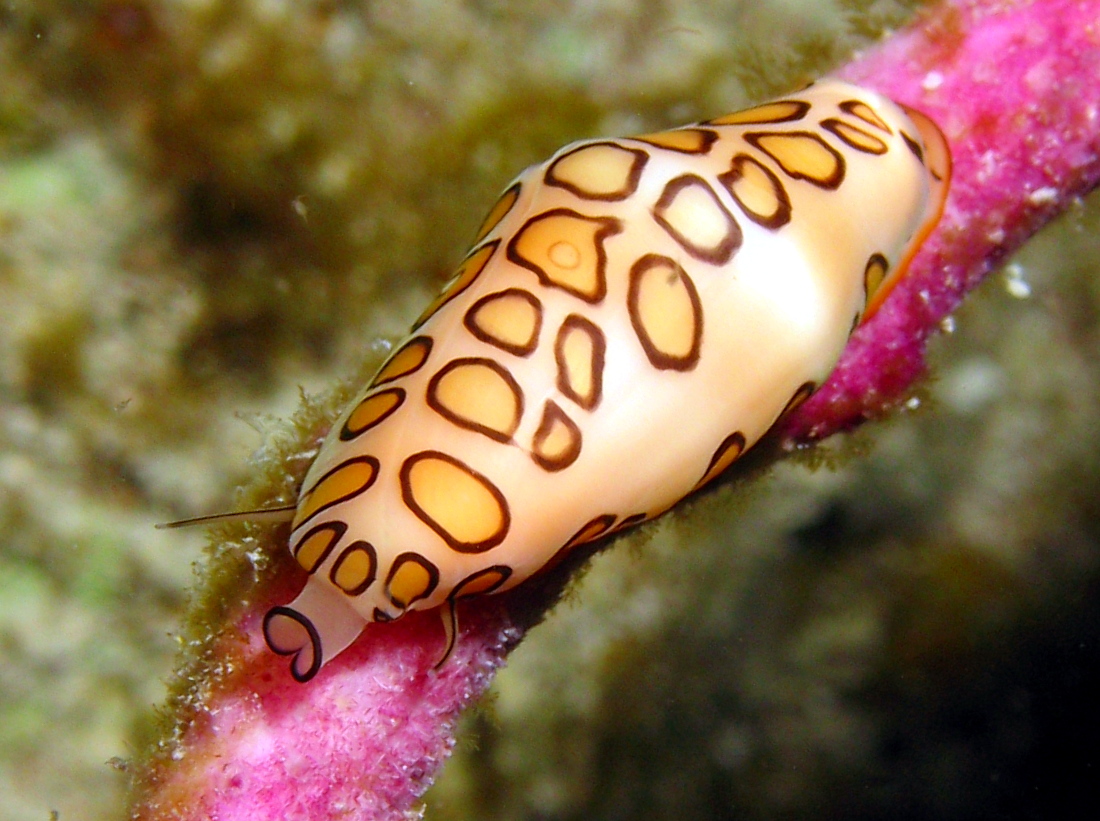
<point x="204" y="205"/>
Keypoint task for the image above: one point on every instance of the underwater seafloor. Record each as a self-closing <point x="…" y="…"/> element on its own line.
<point x="206" y="207"/>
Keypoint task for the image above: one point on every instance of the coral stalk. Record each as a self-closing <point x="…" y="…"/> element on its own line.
<point x="1014" y="86"/>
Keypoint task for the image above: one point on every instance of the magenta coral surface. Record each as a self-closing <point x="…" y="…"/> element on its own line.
<point x="1015" y="86"/>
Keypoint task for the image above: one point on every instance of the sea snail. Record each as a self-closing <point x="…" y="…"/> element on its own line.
<point x="634" y="314"/>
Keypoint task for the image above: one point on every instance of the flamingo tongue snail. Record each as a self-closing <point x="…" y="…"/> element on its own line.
<point x="634" y="314"/>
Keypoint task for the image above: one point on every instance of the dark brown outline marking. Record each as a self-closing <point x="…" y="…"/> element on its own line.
<point x="311" y="634"/>
<point x="399" y="561"/>
<point x="868" y="290"/>
<point x="576" y="322"/>
<point x="551" y="413"/>
<point x="470" y="321"/>
<point x="831" y="183"/>
<point x="609" y="226"/>
<point x="801" y="109"/>
<point x="370" y="460"/>
<point x="737" y="438"/>
<point x="867" y="114"/>
<point x="602" y="526"/>
<point x="936" y="153"/>
<point x="502" y="570"/>
<point x="800" y="395"/>
<point x="338" y="529"/>
<point x="459" y="547"/>
<point x="487" y="226"/>
<point x="708" y="137"/>
<point x="424" y="342"/>
<point x="630" y="521"/>
<point x="458" y="283"/>
<point x="635" y="174"/>
<point x="347" y="434"/>
<point x="477" y="361"/>
<point x="360" y="547"/>
<point x="844" y="132"/>
<point x="723" y="252"/>
<point x="913" y="146"/>
<point x="782" y="214"/>
<point x="602" y="523"/>
<point x="657" y="358"/>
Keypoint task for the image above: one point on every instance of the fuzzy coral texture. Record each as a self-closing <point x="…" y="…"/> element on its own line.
<point x="1014" y="87"/>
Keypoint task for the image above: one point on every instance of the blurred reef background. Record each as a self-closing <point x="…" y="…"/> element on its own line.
<point x="209" y="206"/>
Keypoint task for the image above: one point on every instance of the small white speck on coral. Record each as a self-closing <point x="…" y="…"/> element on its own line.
<point x="932" y="80"/>
<point x="987" y="166"/>
<point x="1043" y="196"/>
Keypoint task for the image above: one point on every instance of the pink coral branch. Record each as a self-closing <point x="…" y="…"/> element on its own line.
<point x="1015" y="87"/>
